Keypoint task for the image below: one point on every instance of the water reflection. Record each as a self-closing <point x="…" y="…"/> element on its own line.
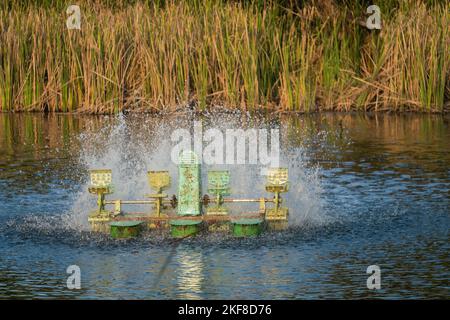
<point x="382" y="182"/>
<point x="189" y="273"/>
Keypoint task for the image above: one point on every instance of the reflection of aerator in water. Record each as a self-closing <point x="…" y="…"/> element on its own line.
<point x="189" y="213"/>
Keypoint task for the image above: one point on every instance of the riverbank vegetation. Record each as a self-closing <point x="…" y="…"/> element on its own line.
<point x="261" y="56"/>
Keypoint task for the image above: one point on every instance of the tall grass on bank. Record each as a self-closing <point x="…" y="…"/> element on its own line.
<point x="268" y="56"/>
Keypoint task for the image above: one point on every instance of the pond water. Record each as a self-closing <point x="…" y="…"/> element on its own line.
<point x="364" y="190"/>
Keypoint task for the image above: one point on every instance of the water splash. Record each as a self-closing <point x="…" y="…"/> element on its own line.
<point x="132" y="145"/>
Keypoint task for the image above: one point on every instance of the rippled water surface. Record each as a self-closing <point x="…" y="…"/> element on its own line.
<point x="365" y="190"/>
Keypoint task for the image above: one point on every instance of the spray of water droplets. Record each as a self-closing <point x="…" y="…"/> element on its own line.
<point x="133" y="145"/>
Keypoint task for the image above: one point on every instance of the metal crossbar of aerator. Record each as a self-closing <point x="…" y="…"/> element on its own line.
<point x="144" y="216"/>
<point x="112" y="202"/>
<point x="135" y="201"/>
<point x="139" y="217"/>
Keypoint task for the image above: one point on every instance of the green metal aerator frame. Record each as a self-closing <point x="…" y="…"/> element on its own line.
<point x="189" y="213"/>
